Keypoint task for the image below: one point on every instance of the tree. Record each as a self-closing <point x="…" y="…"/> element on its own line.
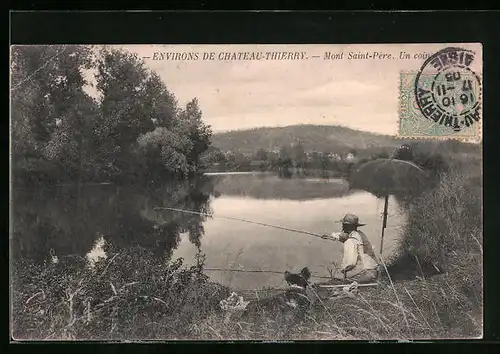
<point x="325" y="161"/>
<point x="137" y="108"/>
<point x="299" y="155"/>
<point x="122" y="82"/>
<point x="191" y="125"/>
<point x="50" y="110"/>
<point x="167" y="149"/>
<point x="261" y="154"/>
<point x="59" y="131"/>
<point x="212" y="156"/>
<point x="316" y="160"/>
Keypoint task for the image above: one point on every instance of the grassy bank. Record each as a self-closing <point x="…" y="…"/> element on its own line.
<point x="134" y="295"/>
<point x="154" y="300"/>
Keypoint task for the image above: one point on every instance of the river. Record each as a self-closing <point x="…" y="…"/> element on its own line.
<point x="69" y="223"/>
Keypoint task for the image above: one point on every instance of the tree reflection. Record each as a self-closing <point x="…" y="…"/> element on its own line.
<point x="55" y="218"/>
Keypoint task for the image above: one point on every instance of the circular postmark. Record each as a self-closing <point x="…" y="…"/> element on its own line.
<point x="447" y="90"/>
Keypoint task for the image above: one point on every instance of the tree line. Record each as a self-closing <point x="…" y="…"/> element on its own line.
<point x="293" y="160"/>
<point x="124" y="124"/>
<point x="290" y="160"/>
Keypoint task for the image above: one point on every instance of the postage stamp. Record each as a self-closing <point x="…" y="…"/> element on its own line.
<point x="443" y="99"/>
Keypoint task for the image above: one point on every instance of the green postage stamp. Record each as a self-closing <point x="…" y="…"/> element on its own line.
<point x="443" y="99"/>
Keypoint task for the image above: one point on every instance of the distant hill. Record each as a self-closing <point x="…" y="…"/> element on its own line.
<point x="312" y="137"/>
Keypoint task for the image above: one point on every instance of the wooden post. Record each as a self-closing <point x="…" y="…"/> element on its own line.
<point x="384" y="222"/>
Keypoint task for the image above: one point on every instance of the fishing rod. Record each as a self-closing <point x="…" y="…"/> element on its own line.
<point x="243" y="220"/>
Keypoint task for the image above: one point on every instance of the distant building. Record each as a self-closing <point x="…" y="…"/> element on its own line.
<point x="350" y="157"/>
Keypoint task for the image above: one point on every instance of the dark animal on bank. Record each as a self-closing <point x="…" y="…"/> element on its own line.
<point x="298" y="279"/>
<point x="293" y="299"/>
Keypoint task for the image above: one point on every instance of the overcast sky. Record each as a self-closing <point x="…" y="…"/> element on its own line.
<point x="360" y="94"/>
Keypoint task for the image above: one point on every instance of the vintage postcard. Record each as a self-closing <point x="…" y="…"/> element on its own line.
<point x="246" y="192"/>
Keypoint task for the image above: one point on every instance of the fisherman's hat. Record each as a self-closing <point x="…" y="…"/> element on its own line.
<point x="351" y="219"/>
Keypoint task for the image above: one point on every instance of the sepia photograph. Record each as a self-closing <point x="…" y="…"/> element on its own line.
<point x="246" y="192"/>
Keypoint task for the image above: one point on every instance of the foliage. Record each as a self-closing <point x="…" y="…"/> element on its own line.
<point x="166" y="148"/>
<point x="50" y="112"/>
<point x="60" y="132"/>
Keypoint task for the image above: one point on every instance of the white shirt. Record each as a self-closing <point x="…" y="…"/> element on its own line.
<point x="357" y="248"/>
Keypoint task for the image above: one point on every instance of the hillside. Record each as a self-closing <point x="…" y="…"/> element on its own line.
<point x="313" y="138"/>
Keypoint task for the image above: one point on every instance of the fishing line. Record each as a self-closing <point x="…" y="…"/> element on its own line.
<point x="242" y="220"/>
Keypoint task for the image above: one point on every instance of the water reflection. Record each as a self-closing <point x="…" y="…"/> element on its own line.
<point x="55" y="218"/>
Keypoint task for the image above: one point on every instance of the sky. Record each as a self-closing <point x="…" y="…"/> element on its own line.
<point x="240" y="94"/>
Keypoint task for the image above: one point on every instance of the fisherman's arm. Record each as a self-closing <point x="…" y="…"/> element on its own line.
<point x="334" y="236"/>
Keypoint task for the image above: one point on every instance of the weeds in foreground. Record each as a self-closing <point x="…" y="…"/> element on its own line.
<point x="372" y="314"/>
<point x="135" y="296"/>
<point x="129" y="295"/>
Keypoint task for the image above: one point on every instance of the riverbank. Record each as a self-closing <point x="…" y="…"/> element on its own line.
<point x="133" y="296"/>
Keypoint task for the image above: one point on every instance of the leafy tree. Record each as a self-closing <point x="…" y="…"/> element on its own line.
<point x="50" y="111"/>
<point x="165" y="148"/>
<point x="211" y="156"/>
<point x="299" y="155"/>
<point x="261" y="154"/>
<point x="325" y="160"/>
<point x="62" y="132"/>
<point x="124" y="116"/>
<point x="192" y="126"/>
<point x="143" y="111"/>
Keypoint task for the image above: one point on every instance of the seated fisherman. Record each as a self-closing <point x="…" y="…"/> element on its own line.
<point x="357" y="247"/>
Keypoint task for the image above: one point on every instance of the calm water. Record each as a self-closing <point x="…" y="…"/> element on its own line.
<point x="71" y="223"/>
